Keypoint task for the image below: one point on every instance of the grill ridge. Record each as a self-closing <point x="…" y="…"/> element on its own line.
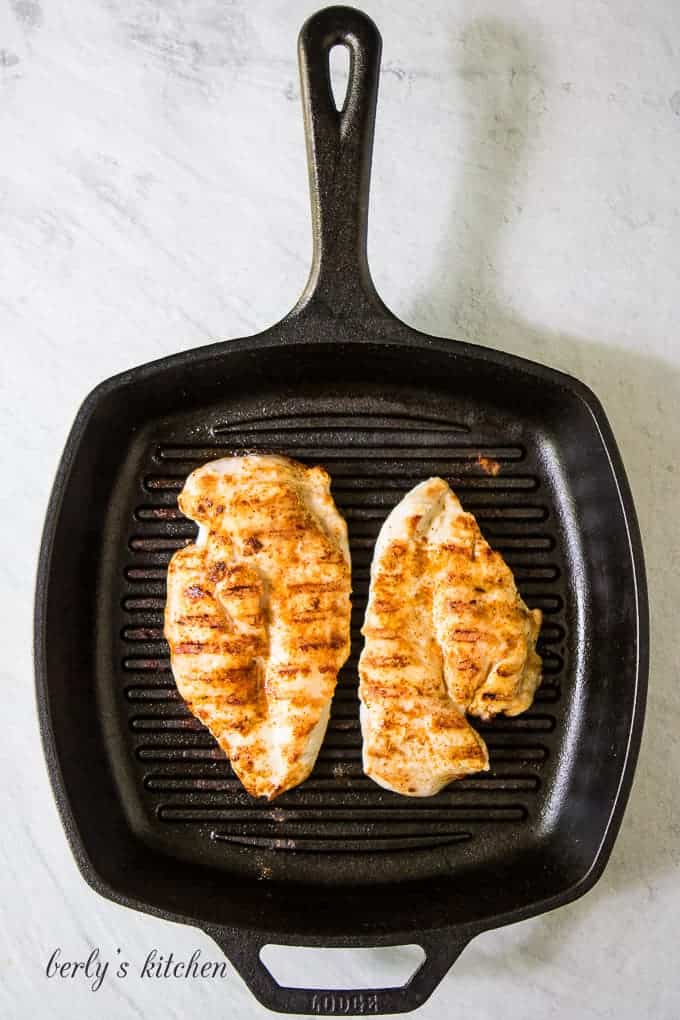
<point x="469" y="455"/>
<point x="362" y="419"/>
<point x="343" y="845"/>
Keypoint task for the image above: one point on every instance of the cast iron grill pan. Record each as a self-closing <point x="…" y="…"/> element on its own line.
<point x="155" y="815"/>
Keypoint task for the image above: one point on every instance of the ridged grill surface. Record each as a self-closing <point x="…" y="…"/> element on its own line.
<point x="373" y="461"/>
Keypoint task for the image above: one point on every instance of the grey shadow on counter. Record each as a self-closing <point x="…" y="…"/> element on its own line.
<point x="500" y="76"/>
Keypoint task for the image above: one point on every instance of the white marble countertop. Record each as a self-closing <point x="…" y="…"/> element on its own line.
<point x="526" y="195"/>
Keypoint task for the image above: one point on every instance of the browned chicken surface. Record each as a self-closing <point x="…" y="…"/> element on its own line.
<point x="446" y="633"/>
<point x="258" y="613"/>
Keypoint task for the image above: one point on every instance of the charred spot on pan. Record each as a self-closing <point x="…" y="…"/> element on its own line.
<point x="488" y="465"/>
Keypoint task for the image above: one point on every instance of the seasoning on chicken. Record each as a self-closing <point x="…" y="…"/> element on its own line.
<point x="446" y="633"/>
<point x="258" y="613"/>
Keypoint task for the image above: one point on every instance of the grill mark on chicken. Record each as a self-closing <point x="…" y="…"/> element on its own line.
<point x="201" y="620"/>
<point x="258" y="613"/>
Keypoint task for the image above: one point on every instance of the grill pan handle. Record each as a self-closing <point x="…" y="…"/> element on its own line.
<point x="339" y="150"/>
<point x="243" y="950"/>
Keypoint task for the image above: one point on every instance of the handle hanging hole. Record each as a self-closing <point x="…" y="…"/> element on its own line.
<point x="339" y="59"/>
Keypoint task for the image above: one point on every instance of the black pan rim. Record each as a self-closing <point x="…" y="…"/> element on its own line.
<point x="340" y="332"/>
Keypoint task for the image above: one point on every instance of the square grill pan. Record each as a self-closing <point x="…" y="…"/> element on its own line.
<point x="155" y="816"/>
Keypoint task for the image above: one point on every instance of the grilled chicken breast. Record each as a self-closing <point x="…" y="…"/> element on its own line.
<point x="258" y="613"/>
<point x="446" y="633"/>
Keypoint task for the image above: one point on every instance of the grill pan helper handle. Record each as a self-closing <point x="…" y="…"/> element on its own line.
<point x="339" y="151"/>
<point x="441" y="949"/>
